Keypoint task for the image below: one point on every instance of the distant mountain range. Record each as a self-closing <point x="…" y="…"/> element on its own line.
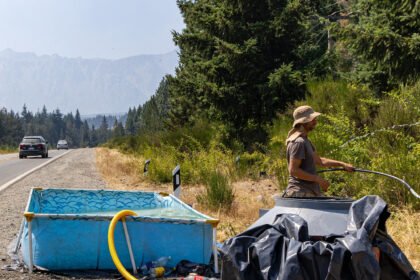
<point x="94" y="86"/>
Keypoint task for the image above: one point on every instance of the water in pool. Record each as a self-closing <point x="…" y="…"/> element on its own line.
<point x="171" y="213"/>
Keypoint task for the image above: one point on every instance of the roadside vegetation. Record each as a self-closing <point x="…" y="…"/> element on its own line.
<point x="5" y="149"/>
<point x="233" y="184"/>
<point x="251" y="193"/>
<point x="375" y="134"/>
<point x="224" y="115"/>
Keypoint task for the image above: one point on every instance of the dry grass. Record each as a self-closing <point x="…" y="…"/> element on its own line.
<point x="122" y="172"/>
<point x="126" y="172"/>
<point x="404" y="228"/>
<point x="119" y="171"/>
<point x="250" y="196"/>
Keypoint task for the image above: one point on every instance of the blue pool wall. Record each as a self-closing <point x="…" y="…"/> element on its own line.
<point x="65" y="201"/>
<point x="64" y="239"/>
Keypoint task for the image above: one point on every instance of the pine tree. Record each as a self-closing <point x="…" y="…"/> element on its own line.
<point x="385" y="40"/>
<point x="103" y="133"/>
<point x="77" y="120"/>
<point x="85" y="135"/>
<point x="117" y="129"/>
<point x="241" y="62"/>
<point x="130" y="126"/>
<point x="93" y="136"/>
<point x="58" y="126"/>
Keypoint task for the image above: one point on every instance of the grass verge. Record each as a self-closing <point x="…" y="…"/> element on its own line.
<point x="404" y="228"/>
<point x="7" y="150"/>
<point x="126" y="172"/>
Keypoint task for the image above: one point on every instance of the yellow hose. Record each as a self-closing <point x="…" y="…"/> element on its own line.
<point x="111" y="244"/>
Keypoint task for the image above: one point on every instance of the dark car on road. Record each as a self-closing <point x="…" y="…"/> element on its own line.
<point x="33" y="146"/>
<point x="62" y="144"/>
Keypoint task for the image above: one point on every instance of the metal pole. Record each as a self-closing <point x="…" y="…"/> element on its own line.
<point x="130" y="250"/>
<point x="216" y="261"/>
<point x="29" y="216"/>
<point x="19" y="236"/>
<point x="30" y="247"/>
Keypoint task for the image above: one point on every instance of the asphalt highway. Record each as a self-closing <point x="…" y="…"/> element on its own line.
<point x="11" y="166"/>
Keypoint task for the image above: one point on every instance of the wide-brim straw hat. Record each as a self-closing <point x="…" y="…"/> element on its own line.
<point x="301" y="115"/>
<point x="304" y="114"/>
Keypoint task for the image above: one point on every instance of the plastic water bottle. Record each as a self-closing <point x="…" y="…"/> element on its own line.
<point x="149" y="267"/>
<point x="146" y="267"/>
<point x="162" y="261"/>
<point x="157" y="272"/>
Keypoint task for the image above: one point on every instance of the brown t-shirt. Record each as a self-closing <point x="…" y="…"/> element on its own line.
<point x="301" y="148"/>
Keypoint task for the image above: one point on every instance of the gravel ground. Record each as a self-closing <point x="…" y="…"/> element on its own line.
<point x="77" y="169"/>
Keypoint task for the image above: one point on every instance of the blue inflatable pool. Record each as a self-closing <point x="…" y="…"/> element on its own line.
<point x="69" y="229"/>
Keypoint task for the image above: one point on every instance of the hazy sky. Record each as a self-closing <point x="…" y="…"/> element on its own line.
<point x="89" y="28"/>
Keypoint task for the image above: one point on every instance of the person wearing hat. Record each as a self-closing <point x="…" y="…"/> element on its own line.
<point x="302" y="158"/>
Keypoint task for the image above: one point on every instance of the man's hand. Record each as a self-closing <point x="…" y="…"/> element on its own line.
<point x="324" y="184"/>
<point x="348" y="167"/>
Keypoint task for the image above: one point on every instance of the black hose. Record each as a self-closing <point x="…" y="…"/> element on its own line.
<point x="375" y="172"/>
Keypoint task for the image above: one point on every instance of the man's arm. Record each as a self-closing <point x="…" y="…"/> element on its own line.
<point x="296" y="171"/>
<point x="326" y="162"/>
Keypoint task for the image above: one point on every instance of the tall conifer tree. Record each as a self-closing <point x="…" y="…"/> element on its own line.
<point x="241" y="62"/>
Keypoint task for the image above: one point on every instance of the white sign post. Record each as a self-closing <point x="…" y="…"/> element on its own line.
<point x="176" y="180"/>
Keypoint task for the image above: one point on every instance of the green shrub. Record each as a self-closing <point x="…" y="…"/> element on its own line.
<point x="250" y="164"/>
<point x="195" y="164"/>
<point x="7" y="149"/>
<point x="400" y="110"/>
<point x="339" y="97"/>
<point x="196" y="149"/>
<point x="163" y="161"/>
<point x="218" y="192"/>
<point x="354" y="127"/>
<point x="366" y="132"/>
<point x="278" y="167"/>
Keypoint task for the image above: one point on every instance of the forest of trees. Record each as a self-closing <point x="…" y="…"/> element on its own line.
<point x="54" y="126"/>
<point x="152" y="116"/>
<point x="244" y="65"/>
<point x="244" y="62"/>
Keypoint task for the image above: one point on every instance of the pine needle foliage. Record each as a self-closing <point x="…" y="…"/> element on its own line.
<point x="243" y="61"/>
<point x="384" y="38"/>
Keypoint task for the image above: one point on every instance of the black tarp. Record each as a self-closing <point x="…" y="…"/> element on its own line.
<point x="284" y="250"/>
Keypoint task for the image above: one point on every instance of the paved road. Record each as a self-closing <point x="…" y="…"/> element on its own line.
<point x="11" y="166"/>
<point x="78" y="170"/>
